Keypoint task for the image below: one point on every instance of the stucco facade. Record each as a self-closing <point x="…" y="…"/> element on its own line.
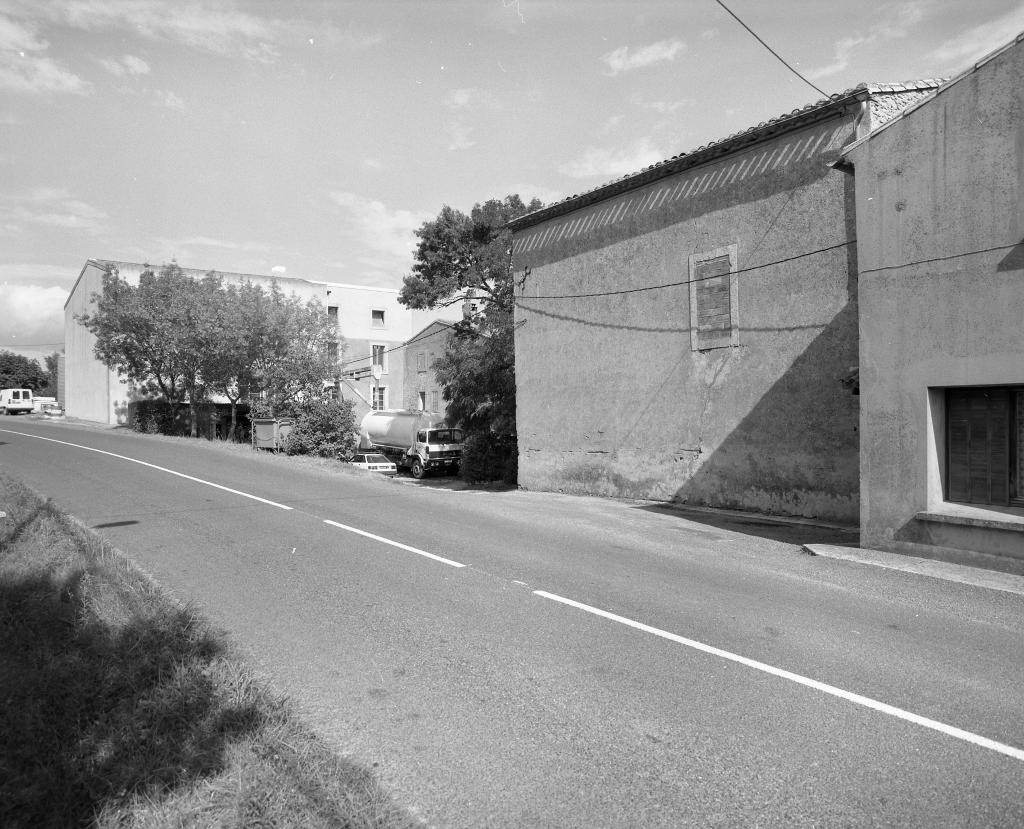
<point x="683" y="333"/>
<point x="422" y="389"/>
<point x="940" y="229"/>
<point x="368" y="318"/>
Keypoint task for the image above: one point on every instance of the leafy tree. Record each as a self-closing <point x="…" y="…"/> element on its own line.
<point x="227" y="367"/>
<point x="294" y="351"/>
<point x="20" y="372"/>
<point x="51" y="372"/>
<point x="459" y="256"/>
<point x="153" y="333"/>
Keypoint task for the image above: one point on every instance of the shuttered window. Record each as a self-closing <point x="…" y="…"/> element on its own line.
<point x="985" y="461"/>
<point x="713" y="311"/>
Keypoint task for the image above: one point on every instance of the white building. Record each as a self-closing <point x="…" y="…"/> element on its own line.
<point x="372" y="323"/>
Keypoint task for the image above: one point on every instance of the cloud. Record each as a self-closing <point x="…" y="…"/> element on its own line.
<point x="462" y="102"/>
<point x="383" y="231"/>
<point x="215" y="28"/>
<point x="125" y="65"/>
<point x="664" y="107"/>
<point x="32" y="314"/>
<point x="599" y="161"/>
<point x="170" y="100"/>
<point x="24" y="66"/>
<point x="53" y="207"/>
<point x="897" y="24"/>
<point x="956" y="53"/>
<point x="621" y="60"/>
<point x="459" y="135"/>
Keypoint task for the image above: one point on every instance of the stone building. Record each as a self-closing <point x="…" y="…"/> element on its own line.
<point x="684" y="333"/>
<point x="940" y="240"/>
<point x="371" y="321"/>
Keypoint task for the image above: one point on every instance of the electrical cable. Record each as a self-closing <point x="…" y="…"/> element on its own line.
<point x="770" y="49"/>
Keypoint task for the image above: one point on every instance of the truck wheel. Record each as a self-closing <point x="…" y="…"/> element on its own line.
<point x="417" y="469"/>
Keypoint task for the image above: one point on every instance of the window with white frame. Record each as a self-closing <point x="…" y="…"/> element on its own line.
<point x="380" y="357"/>
<point x="380" y="398"/>
<point x="714" y="312"/>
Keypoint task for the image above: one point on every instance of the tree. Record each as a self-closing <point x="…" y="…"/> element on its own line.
<point x="52" y="378"/>
<point x="297" y="347"/>
<point x="459" y="256"/>
<point x="19" y="372"/>
<point x="154" y="333"/>
<point x="229" y="363"/>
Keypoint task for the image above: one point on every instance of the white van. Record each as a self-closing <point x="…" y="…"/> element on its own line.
<point x="15" y="401"/>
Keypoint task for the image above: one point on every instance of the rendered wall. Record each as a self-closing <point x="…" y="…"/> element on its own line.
<point x="97" y="394"/>
<point x="947" y="179"/>
<point x="612" y="400"/>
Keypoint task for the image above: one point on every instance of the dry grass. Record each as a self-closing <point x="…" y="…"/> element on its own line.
<point x="121" y="708"/>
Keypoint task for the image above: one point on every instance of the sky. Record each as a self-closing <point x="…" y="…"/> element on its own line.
<point x="310" y="139"/>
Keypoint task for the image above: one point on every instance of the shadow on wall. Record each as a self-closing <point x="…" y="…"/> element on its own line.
<point x="796" y="452"/>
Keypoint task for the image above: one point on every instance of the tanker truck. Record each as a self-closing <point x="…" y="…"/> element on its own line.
<point x="416" y="440"/>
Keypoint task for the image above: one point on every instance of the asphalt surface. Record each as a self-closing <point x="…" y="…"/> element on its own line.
<point x="586" y="666"/>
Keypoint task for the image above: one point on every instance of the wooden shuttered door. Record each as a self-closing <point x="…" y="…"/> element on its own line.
<point x="979" y="437"/>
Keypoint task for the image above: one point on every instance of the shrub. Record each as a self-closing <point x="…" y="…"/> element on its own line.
<point x="154" y="417"/>
<point x="490" y="457"/>
<point x="326" y="428"/>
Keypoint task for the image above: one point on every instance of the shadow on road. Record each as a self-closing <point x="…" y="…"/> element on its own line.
<point x="773" y="529"/>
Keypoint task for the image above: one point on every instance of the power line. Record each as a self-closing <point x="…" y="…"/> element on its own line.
<point x="690" y="281"/>
<point x="770" y="49"/>
<point x="680" y="283"/>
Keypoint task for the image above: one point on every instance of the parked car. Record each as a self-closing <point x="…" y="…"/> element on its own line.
<point x="374" y="462"/>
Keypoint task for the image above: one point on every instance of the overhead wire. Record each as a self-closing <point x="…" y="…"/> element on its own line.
<point x="778" y="57"/>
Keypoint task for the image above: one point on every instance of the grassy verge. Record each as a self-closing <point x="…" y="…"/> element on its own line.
<point x="121" y="708"/>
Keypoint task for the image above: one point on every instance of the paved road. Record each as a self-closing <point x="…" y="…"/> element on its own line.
<point x="592" y="663"/>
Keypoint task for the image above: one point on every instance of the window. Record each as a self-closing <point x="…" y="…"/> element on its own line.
<point x="421" y="362"/>
<point x="423" y="400"/>
<point x="377" y="319"/>
<point x="332" y="314"/>
<point x="332" y="352"/>
<point x="985" y="445"/>
<point x="380" y="357"/>
<point x="435" y="401"/>
<point x="714" y="315"/>
<point x="380" y="398"/>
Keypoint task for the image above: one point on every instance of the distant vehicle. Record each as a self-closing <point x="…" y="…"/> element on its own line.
<point x="15" y="401"/>
<point x="418" y="441"/>
<point x="374" y="462"/>
<point x="51" y="410"/>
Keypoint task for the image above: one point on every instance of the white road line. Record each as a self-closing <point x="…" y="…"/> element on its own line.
<point x="447" y="561"/>
<point x="867" y="702"/>
<point x="152" y="466"/>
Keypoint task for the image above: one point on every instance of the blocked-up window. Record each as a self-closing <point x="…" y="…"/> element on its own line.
<point x="714" y="312"/>
<point x="985" y="445"/>
<point x="421" y="362"/>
